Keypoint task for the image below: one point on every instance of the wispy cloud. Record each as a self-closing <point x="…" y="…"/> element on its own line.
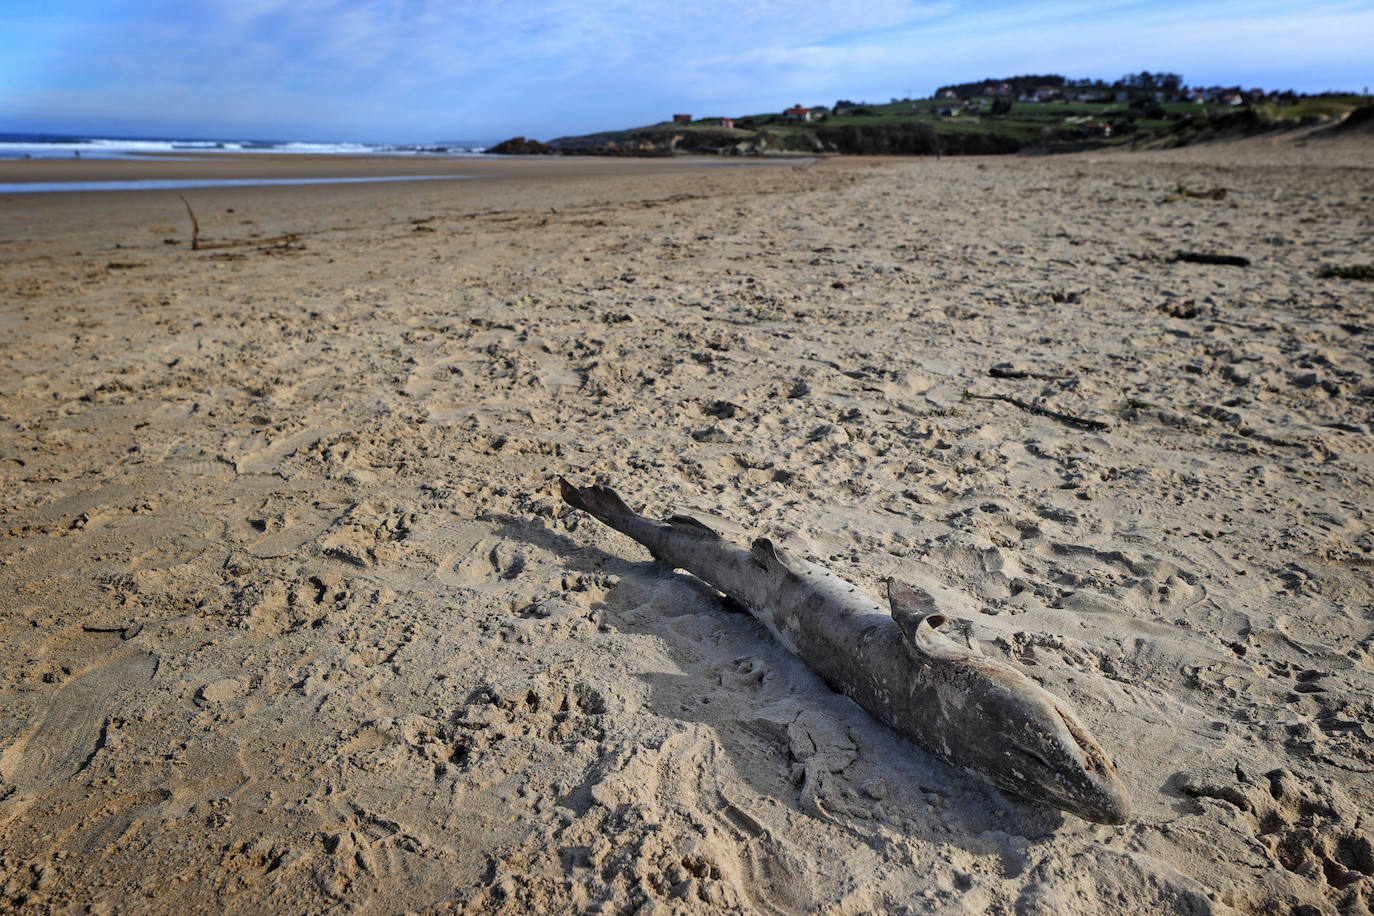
<point x="427" y="69"/>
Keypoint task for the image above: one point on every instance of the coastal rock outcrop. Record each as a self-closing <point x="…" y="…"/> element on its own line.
<point x="519" y="146"/>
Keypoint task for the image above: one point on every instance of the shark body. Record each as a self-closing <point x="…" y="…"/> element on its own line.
<point x="973" y="712"/>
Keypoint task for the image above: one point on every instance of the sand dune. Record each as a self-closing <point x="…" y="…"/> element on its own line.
<point x="292" y="618"/>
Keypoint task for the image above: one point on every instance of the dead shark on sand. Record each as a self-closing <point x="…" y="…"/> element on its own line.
<point x="973" y="712"/>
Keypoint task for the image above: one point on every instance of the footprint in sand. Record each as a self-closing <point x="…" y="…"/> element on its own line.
<point x="367" y="535"/>
<point x="73" y="728"/>
<point x="487" y="562"/>
<point x="1308" y="827"/>
<point x="263" y="455"/>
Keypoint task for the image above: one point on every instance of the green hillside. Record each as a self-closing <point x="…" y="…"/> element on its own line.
<point x="977" y="125"/>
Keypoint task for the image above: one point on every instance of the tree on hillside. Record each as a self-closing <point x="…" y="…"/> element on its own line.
<point x="1166" y="82"/>
<point x="1019" y="85"/>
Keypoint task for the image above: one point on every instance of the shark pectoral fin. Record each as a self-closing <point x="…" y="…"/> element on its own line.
<point x="918" y="618"/>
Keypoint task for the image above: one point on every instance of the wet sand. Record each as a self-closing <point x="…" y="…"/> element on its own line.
<point x="291" y="617"/>
<point x="248" y="165"/>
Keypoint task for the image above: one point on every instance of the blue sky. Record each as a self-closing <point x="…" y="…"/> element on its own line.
<point x="422" y="70"/>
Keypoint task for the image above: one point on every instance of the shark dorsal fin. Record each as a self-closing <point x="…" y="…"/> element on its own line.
<point x="693" y="526"/>
<point x="770" y="556"/>
<point x="919" y="620"/>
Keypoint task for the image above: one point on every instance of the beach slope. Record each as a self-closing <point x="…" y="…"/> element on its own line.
<point x="292" y="617"/>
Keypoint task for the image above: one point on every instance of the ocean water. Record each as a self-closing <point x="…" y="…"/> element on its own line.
<point x="178" y="184"/>
<point x="54" y="146"/>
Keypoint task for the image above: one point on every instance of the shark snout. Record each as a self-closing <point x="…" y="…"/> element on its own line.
<point x="1109" y="803"/>
<point x="1067" y="780"/>
<point x="1084" y="781"/>
<point x="1043" y="752"/>
<point x="1100" y="795"/>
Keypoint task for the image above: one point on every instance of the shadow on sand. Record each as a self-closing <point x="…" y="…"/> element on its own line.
<point x="986" y="822"/>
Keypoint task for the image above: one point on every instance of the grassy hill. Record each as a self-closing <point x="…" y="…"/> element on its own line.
<point x="928" y="126"/>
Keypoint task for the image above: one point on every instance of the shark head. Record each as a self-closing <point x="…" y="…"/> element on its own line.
<point x="1003" y="726"/>
<point x="1031" y="744"/>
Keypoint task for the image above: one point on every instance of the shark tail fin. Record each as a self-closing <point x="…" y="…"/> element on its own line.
<point x="601" y="502"/>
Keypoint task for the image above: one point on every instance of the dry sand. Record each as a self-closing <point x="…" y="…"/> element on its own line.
<point x="291" y="618"/>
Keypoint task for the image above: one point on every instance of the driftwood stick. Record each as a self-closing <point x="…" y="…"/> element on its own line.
<point x="1202" y="257"/>
<point x="1068" y="418"/>
<point x="197" y="245"/>
<point x="1184" y="192"/>
<point x="239" y="243"/>
<point x="195" y="226"/>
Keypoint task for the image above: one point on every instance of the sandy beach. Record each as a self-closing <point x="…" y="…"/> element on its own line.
<point x="292" y="618"/>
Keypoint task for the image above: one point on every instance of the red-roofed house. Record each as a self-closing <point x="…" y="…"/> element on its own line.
<point x="798" y="113"/>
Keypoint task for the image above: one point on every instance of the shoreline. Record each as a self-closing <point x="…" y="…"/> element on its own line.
<point x="57" y="217"/>
<point x="185" y="184"/>
<point x="244" y="166"/>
